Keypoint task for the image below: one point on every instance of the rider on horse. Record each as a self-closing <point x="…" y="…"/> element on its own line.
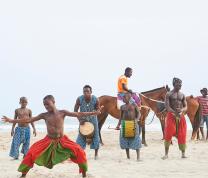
<point x="123" y="87"/>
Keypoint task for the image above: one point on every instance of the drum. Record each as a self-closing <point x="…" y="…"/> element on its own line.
<point x="87" y="130"/>
<point x="128" y="128"/>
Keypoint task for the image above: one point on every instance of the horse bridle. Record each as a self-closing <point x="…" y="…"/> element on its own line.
<point x="158" y="101"/>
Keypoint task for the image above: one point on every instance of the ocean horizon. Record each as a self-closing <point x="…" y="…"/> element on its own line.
<point x="72" y="124"/>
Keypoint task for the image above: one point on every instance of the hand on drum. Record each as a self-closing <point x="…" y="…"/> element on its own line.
<point x="81" y="122"/>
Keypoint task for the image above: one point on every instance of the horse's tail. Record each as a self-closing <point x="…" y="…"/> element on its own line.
<point x="197" y="121"/>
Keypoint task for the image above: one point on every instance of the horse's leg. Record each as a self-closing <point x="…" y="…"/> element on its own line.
<point x="102" y="119"/>
<point x="144" y="135"/>
<point x="162" y="123"/>
<point x="144" y="114"/>
<point x="197" y="134"/>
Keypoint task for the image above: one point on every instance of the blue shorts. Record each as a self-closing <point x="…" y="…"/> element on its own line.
<point x="204" y="119"/>
<point x="21" y="136"/>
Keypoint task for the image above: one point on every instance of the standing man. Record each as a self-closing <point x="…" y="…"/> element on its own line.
<point x="88" y="103"/>
<point x="175" y="125"/>
<point x="203" y="101"/>
<point x="21" y="134"/>
<point x="123" y="89"/>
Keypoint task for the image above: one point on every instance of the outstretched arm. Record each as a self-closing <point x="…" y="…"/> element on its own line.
<point x="81" y="114"/>
<point x="22" y="121"/>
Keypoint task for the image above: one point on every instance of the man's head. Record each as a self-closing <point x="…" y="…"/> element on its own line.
<point x="128" y="72"/>
<point x="204" y="92"/>
<point x="177" y="84"/>
<point x="87" y="91"/>
<point x="127" y="98"/>
<point x="49" y="103"/>
<point x="23" y="102"/>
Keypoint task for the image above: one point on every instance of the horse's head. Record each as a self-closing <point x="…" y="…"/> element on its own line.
<point x="158" y="93"/>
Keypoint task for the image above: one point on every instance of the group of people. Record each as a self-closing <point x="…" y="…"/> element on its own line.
<point x="57" y="147"/>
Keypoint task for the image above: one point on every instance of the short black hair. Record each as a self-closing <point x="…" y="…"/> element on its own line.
<point x="50" y="97"/>
<point x="23" y="98"/>
<point x="87" y="86"/>
<point x="128" y="69"/>
<point x="176" y="80"/>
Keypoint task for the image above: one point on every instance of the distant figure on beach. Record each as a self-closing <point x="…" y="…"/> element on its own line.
<point x="203" y="101"/>
<point x="122" y="86"/>
<point x="55" y="147"/>
<point x="129" y="133"/>
<point x="88" y="103"/>
<point x="175" y="125"/>
<point x="21" y="134"/>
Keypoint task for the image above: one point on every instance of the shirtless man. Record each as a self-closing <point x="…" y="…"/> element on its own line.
<point x="130" y="112"/>
<point x="176" y="106"/>
<point x="55" y="147"/>
<point x="21" y="134"/>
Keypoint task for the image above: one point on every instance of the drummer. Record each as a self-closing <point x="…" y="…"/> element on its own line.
<point x="88" y="102"/>
<point x="130" y="112"/>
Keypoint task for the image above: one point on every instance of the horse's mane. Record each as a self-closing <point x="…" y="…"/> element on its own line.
<point x="151" y="91"/>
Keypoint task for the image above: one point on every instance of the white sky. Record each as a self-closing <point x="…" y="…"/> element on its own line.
<point x="56" y="47"/>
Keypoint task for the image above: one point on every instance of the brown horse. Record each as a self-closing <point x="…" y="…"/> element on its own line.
<point x="110" y="107"/>
<point x="192" y="112"/>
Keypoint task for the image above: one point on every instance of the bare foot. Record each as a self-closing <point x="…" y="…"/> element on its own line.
<point x="165" y="157"/>
<point x="145" y="145"/>
<point x="84" y="174"/>
<point x="96" y="158"/>
<point x="203" y="139"/>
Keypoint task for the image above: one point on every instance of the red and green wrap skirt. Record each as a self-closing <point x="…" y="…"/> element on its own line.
<point x="175" y="126"/>
<point x="49" y="152"/>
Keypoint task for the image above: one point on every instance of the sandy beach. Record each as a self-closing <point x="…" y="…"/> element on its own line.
<point x="113" y="163"/>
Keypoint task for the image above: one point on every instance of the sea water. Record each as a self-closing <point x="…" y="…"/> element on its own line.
<point x="72" y="124"/>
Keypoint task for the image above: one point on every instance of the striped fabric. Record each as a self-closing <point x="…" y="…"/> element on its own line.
<point x="204" y="105"/>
